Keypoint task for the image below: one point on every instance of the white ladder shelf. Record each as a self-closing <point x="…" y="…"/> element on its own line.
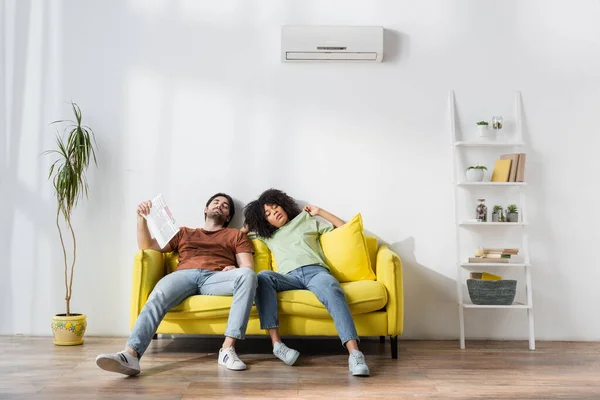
<point x="463" y="267"/>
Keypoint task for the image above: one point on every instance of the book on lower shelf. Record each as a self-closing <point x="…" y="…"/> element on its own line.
<point x="486" y="276"/>
<point x="488" y="260"/>
<point x="486" y="250"/>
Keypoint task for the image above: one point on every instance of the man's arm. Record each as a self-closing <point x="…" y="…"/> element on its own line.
<point x="144" y="238"/>
<point x="245" y="260"/>
<point x="329" y="217"/>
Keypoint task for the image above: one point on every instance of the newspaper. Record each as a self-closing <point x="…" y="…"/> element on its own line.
<point x="161" y="223"/>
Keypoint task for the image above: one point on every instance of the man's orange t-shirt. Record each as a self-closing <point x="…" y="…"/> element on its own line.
<point x="212" y="250"/>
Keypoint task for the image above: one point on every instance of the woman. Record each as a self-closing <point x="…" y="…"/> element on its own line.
<point x="292" y="235"/>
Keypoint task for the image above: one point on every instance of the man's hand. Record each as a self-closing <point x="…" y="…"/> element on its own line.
<point x="228" y="268"/>
<point x="144" y="208"/>
<point x="312" y="210"/>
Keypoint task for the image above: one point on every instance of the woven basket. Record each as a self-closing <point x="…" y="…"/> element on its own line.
<point x="501" y="293"/>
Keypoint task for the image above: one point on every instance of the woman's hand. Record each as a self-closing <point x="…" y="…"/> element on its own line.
<point x="228" y="268"/>
<point x="244" y="229"/>
<point x="144" y="208"/>
<point x="312" y="210"/>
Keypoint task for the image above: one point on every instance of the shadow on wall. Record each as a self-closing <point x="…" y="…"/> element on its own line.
<point x="430" y="303"/>
<point x="396" y="46"/>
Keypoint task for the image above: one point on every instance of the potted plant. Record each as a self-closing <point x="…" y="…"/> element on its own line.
<point x="482" y="129"/>
<point x="497" y="214"/>
<point x="68" y="174"/>
<point x="475" y="173"/>
<point x="512" y="213"/>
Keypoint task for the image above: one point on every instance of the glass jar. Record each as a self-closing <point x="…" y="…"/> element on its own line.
<point x="481" y="211"/>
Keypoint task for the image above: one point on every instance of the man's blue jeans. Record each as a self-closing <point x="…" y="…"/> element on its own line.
<point x="179" y="285"/>
<point x="315" y="278"/>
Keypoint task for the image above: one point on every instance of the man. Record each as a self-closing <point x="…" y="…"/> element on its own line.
<point x="207" y="265"/>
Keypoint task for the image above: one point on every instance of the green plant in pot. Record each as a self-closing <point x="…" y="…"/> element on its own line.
<point x="482" y="129"/>
<point x="497" y="215"/>
<point x="475" y="173"/>
<point x="68" y="174"/>
<point x="512" y="213"/>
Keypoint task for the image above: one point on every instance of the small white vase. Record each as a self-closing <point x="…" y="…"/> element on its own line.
<point x="474" y="175"/>
<point x="483" y="131"/>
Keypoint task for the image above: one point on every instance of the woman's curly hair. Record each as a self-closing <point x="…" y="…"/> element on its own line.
<point x="254" y="212"/>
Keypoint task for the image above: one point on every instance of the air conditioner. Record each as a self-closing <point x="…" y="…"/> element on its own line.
<point x="306" y="43"/>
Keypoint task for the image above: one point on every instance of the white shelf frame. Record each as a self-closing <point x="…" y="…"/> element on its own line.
<point x="461" y="265"/>
<point x="492" y="183"/>
<point x="506" y="265"/>
<point x="487" y="143"/>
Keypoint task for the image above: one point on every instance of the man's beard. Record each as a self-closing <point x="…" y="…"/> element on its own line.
<point x="217" y="217"/>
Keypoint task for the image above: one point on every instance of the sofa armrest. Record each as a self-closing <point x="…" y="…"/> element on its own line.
<point x="389" y="273"/>
<point x="148" y="269"/>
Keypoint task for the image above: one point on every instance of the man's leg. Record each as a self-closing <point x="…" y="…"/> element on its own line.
<point x="269" y="283"/>
<point x="168" y="292"/>
<point x="328" y="291"/>
<point x="241" y="283"/>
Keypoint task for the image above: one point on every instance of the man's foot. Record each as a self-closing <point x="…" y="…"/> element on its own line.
<point x="357" y="364"/>
<point x="229" y="358"/>
<point x="121" y="362"/>
<point x="285" y="354"/>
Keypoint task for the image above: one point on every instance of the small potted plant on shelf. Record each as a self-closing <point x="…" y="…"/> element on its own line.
<point x="497" y="215"/>
<point x="475" y="173"/>
<point x="482" y="129"/>
<point x="512" y="213"/>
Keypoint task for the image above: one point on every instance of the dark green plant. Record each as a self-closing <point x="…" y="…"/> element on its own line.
<point x="477" y="167"/>
<point x="497" y="208"/>
<point x="68" y="174"/>
<point x="482" y="123"/>
<point x="512" y="209"/>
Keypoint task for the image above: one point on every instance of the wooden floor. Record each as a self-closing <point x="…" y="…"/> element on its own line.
<point x="186" y="368"/>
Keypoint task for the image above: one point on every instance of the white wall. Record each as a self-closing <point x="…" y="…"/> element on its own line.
<point x="189" y="98"/>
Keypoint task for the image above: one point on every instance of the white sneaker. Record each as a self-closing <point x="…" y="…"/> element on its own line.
<point x="285" y="354"/>
<point x="230" y="359"/>
<point x="357" y="364"/>
<point x="121" y="362"/>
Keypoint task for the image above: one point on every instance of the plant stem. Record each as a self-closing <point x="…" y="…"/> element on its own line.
<point x="64" y="257"/>
<point x="72" y="265"/>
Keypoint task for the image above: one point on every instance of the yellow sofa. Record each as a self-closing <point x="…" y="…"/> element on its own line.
<point x="377" y="306"/>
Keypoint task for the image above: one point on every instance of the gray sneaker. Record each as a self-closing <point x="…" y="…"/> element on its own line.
<point x="357" y="364"/>
<point x="121" y="362"/>
<point x="285" y="354"/>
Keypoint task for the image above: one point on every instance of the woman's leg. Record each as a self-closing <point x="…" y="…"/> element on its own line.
<point x="269" y="283"/>
<point x="328" y="291"/>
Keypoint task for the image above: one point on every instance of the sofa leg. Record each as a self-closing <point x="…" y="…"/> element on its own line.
<point x="394" y="344"/>
<point x="381" y="339"/>
<point x="155" y="336"/>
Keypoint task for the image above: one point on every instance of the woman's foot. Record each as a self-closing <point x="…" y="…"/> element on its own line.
<point x="357" y="364"/>
<point x="285" y="354"/>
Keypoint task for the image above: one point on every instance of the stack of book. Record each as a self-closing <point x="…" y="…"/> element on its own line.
<point x="494" y="256"/>
<point x="510" y="168"/>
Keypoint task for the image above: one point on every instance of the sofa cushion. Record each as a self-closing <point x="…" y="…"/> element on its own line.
<point x="346" y="252"/>
<point x="262" y="256"/>
<point x="362" y="297"/>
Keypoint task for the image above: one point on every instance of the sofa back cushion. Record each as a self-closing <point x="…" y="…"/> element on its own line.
<point x="348" y="252"/>
<point x="262" y="256"/>
<point x="171" y="261"/>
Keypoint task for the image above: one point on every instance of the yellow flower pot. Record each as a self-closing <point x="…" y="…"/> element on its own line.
<point x="68" y="331"/>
